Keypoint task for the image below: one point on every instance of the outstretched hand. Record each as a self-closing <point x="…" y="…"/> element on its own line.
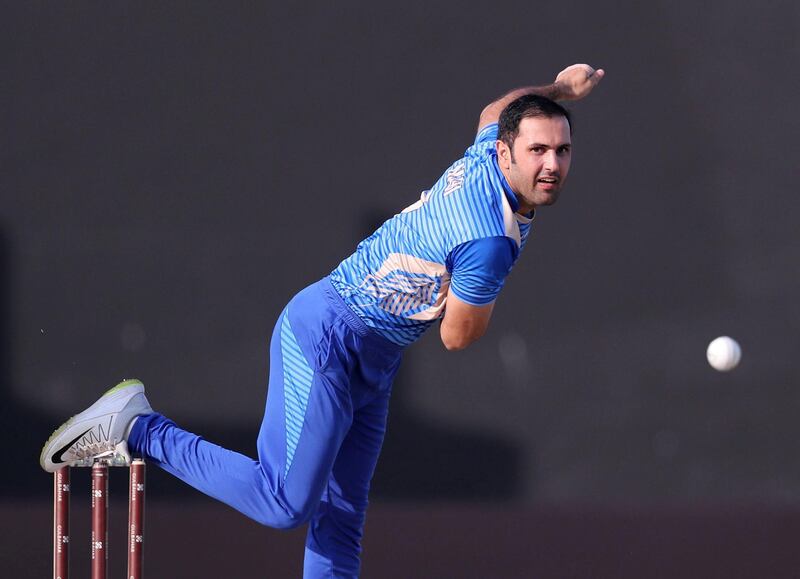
<point x="577" y="81"/>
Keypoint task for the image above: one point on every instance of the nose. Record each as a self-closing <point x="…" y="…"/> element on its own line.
<point x="551" y="161"/>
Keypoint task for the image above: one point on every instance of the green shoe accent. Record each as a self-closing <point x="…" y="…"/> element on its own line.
<point x="123" y="384"/>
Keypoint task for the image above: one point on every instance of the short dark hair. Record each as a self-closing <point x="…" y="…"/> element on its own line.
<point x="529" y="105"/>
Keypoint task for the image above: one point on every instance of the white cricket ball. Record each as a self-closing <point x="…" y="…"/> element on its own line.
<point x="724" y="353"/>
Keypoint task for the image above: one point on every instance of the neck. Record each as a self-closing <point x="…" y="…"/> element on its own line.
<point x="525" y="208"/>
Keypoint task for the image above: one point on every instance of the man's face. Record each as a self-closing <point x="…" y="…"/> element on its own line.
<point x="537" y="166"/>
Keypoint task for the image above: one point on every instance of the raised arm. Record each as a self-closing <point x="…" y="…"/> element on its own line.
<point x="572" y="84"/>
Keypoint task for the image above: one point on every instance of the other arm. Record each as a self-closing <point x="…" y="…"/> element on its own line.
<point x="572" y="84"/>
<point x="463" y="323"/>
<point x="479" y="268"/>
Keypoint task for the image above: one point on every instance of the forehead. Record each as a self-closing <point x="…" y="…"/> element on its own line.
<point x="552" y="131"/>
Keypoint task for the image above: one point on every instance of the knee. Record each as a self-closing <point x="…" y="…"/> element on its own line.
<point x="286" y="518"/>
<point x="284" y="522"/>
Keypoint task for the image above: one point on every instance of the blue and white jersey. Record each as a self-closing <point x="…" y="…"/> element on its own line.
<point x="463" y="235"/>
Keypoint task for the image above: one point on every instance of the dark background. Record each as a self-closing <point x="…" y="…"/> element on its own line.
<point x="170" y="174"/>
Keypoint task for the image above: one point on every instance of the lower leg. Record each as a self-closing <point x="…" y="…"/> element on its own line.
<point x="333" y="543"/>
<point x="235" y="479"/>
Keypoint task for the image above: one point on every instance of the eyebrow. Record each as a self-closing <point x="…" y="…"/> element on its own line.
<point x="533" y="145"/>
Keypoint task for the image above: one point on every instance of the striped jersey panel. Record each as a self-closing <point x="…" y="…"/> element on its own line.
<point x="398" y="277"/>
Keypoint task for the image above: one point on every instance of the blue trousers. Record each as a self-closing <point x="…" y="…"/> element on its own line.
<point x="330" y="380"/>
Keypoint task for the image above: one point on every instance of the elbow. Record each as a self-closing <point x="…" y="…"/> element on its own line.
<point x="457" y="342"/>
<point x="454" y="345"/>
<point x="488" y="116"/>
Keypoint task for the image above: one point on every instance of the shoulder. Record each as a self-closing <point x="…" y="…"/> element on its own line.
<point x="487" y="133"/>
<point x="484" y="141"/>
<point x="497" y="254"/>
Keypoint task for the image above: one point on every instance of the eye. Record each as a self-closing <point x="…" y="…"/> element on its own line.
<point x="537" y="149"/>
<point x="563" y="150"/>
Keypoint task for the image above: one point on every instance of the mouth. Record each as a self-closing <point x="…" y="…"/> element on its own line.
<point x="547" y="183"/>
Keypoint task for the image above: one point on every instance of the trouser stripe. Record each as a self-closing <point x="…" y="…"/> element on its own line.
<point x="297" y="375"/>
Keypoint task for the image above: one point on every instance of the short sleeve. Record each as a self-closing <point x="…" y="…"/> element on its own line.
<point x="487" y="133"/>
<point x="484" y="145"/>
<point x="479" y="268"/>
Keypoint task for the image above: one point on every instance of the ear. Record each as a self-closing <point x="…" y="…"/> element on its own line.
<point x="503" y="154"/>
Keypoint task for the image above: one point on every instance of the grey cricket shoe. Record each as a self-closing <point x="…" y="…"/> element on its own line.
<point x="97" y="432"/>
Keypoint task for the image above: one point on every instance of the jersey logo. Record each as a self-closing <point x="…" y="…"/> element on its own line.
<point x="454" y="178"/>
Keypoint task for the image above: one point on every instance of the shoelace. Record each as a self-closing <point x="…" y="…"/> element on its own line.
<point x="94" y="449"/>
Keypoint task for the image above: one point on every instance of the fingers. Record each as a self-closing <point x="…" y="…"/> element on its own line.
<point x="596" y="76"/>
<point x="574" y="70"/>
<point x="580" y="72"/>
<point x="578" y="80"/>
